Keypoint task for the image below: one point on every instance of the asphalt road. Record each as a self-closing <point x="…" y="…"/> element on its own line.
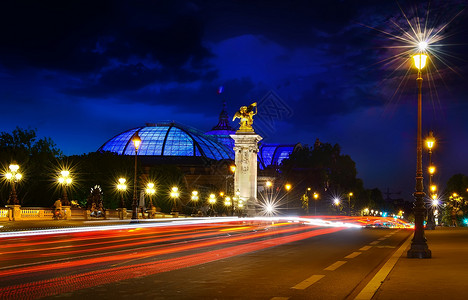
<point x="243" y="260"/>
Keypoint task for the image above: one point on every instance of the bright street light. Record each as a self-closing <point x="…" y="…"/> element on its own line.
<point x="65" y="180"/>
<point x="150" y="190"/>
<point x="194" y="196"/>
<point x="122" y="187"/>
<point x="13" y="176"/>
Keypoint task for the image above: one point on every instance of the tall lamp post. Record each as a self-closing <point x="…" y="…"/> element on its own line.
<point x="349" y="203"/>
<point x="13" y="176"/>
<point x="136" y="143"/>
<point x="288" y="187"/>
<point x="419" y="248"/>
<point x="316" y="196"/>
<point x="430" y="141"/>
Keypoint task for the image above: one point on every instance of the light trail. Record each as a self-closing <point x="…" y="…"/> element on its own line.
<point x="84" y="257"/>
<point x="85" y="280"/>
<point x="107" y="257"/>
<point x="99" y="239"/>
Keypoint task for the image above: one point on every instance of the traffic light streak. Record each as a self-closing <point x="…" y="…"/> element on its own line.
<point x="74" y="282"/>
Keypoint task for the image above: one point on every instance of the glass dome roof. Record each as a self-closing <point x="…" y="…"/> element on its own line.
<point x="273" y="154"/>
<point x="168" y="139"/>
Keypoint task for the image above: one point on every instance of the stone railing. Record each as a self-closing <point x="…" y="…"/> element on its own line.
<point x="18" y="213"/>
<point x="3" y="213"/>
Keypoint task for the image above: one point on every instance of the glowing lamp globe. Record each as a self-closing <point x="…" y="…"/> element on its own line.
<point x="14" y="168"/>
<point x="136" y="141"/>
<point x="420" y="61"/>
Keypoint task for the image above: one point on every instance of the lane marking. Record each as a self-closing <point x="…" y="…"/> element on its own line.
<point x="369" y="290"/>
<point x="386" y="247"/>
<point x="381" y="239"/>
<point x="353" y="255"/>
<point x="388" y="235"/>
<point x="335" y="265"/>
<point x="365" y="248"/>
<point x="374" y="243"/>
<point x="308" y="282"/>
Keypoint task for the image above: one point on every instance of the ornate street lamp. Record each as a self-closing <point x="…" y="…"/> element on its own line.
<point x="349" y="203"/>
<point x="136" y="143"/>
<point x="227" y="203"/>
<point x="212" y="200"/>
<point x="13" y="176"/>
<point x="122" y="187"/>
<point x="150" y="190"/>
<point x="336" y="202"/>
<point x="419" y="248"/>
<point x="316" y="196"/>
<point x="430" y="141"/>
<point x="194" y="197"/>
<point x="174" y="195"/>
<point x="65" y="180"/>
<point x="288" y="187"/>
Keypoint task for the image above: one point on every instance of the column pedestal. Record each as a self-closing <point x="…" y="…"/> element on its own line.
<point x="245" y="177"/>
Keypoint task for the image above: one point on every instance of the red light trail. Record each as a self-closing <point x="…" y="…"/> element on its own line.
<point x="53" y="264"/>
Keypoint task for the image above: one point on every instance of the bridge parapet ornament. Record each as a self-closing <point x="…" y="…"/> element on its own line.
<point x="245" y="114"/>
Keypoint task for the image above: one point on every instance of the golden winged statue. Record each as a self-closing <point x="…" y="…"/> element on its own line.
<point x="245" y="114"/>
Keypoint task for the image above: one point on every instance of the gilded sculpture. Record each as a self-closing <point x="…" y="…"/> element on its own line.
<point x="245" y="114"/>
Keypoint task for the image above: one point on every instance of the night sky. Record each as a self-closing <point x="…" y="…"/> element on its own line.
<point x="81" y="72"/>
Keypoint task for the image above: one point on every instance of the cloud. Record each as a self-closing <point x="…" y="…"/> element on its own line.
<point x="87" y="36"/>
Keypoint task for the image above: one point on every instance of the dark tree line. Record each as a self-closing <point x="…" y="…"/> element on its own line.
<point x="454" y="208"/>
<point x="36" y="158"/>
<point x="325" y="170"/>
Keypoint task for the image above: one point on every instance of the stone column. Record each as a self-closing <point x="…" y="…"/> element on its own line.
<point x="245" y="178"/>
<point x="14" y="212"/>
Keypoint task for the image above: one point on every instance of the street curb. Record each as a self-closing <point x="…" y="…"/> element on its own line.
<point x="371" y="288"/>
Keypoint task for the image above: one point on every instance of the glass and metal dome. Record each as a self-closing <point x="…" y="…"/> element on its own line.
<point x="273" y="154"/>
<point x="168" y="139"/>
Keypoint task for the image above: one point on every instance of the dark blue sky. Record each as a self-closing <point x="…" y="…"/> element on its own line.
<point x="81" y="72"/>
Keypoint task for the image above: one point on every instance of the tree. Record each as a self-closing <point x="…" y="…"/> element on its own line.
<point x="102" y="169"/>
<point x="324" y="169"/>
<point x="35" y="158"/>
<point x="456" y="208"/>
<point x="165" y="177"/>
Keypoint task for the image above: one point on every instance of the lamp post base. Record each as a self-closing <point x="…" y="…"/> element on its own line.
<point x="419" y="251"/>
